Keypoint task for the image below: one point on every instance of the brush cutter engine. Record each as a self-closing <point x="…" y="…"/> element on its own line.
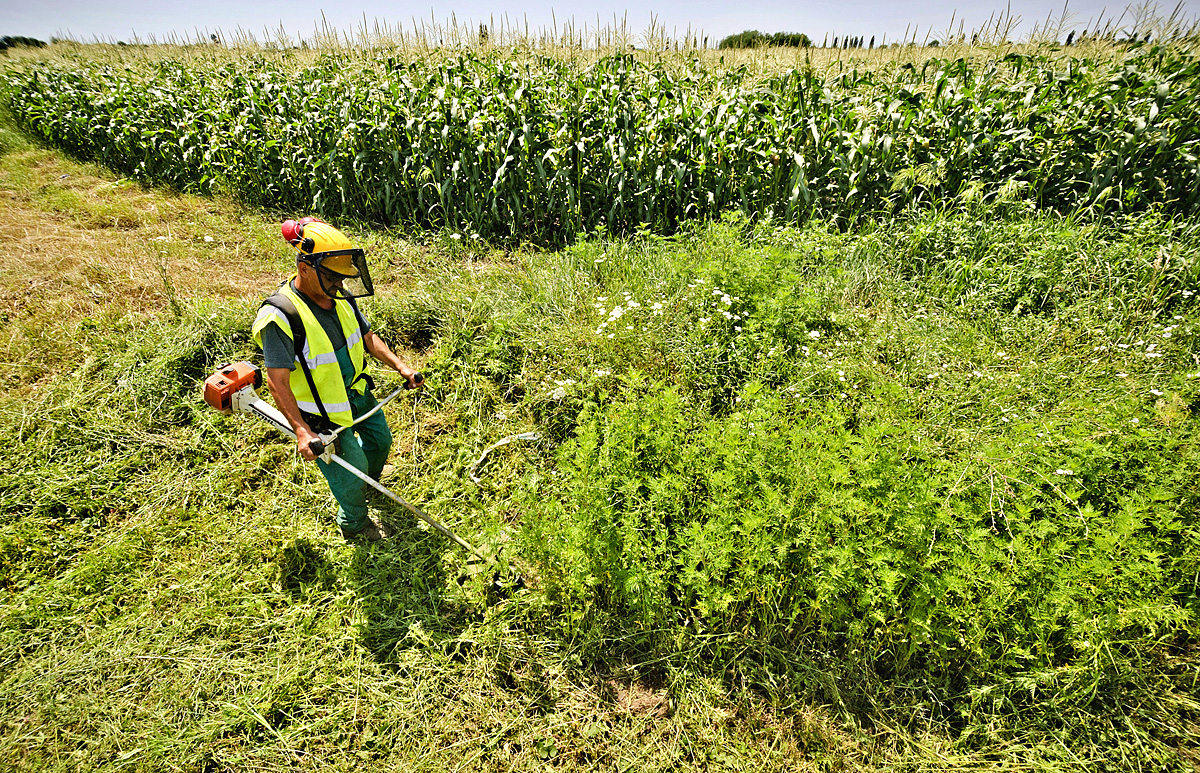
<point x="233" y="388"/>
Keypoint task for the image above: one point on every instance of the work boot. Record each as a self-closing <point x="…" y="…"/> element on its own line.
<point x="372" y="532"/>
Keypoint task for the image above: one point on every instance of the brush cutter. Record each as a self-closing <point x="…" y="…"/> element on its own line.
<point x="233" y="388"/>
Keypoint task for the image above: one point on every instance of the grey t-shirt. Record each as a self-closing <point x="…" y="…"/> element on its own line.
<point x="278" y="351"/>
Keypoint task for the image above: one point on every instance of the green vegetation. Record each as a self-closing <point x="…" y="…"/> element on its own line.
<point x="913" y="491"/>
<point x="537" y="148"/>
<point x="12" y="41"/>
<point x="756" y="39"/>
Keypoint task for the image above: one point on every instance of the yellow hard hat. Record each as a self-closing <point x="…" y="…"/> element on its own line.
<point x="327" y="249"/>
<point x="317" y="238"/>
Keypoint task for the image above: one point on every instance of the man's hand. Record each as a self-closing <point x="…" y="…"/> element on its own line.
<point x="304" y="439"/>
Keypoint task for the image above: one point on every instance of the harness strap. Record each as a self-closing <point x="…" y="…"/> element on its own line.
<point x="285" y="304"/>
<point x="362" y="325"/>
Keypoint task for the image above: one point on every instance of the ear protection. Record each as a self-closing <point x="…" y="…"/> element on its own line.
<point x="293" y="233"/>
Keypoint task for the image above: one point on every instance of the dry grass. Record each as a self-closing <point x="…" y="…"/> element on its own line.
<point x="79" y="234"/>
<point x="586" y="41"/>
<point x="83" y="243"/>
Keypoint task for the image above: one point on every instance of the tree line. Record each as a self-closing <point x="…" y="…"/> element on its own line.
<point x="756" y="39"/>
<point x="12" y="41"/>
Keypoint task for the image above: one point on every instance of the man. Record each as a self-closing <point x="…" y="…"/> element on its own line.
<point x="314" y="340"/>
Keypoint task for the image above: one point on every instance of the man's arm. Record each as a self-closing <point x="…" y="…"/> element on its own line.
<point x="279" y="382"/>
<point x="380" y="351"/>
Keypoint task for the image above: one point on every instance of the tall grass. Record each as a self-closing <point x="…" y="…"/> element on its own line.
<point x="797" y="466"/>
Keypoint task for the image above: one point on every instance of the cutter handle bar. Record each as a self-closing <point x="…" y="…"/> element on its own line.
<point x="379" y="405"/>
<point x="418" y="379"/>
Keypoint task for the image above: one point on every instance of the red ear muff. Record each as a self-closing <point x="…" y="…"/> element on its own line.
<point x="291" y="231"/>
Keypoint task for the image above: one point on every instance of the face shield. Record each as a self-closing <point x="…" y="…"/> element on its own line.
<point x="342" y="273"/>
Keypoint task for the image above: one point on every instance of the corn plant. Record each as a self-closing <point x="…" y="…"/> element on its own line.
<point x="542" y="148"/>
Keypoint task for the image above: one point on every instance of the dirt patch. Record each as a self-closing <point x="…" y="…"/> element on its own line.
<point x="637" y="699"/>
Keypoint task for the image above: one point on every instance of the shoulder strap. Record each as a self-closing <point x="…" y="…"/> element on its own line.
<point x="284" y="304"/>
<point x="362" y="326"/>
<point x="362" y="322"/>
<point x="299" y="336"/>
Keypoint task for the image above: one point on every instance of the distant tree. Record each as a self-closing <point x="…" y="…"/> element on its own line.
<point x="835" y="39"/>
<point x="872" y="41"/>
<point x="483" y="34"/>
<point x="1070" y="37"/>
<point x="12" y="41"/>
<point x="756" y="39"/>
<point x="790" y="40"/>
<point x="745" y="39"/>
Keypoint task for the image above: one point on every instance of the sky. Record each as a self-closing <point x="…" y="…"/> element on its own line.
<point x="158" y="20"/>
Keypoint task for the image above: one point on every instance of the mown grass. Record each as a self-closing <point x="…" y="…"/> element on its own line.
<point x="918" y="495"/>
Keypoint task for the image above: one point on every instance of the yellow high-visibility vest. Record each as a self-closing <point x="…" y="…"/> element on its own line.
<point x="320" y="356"/>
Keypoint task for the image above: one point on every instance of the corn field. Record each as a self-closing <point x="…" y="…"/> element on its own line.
<point x="517" y="146"/>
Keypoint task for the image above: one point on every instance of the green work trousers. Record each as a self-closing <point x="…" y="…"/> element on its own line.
<point x="366" y="446"/>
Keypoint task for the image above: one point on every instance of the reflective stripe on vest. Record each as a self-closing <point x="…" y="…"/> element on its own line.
<point x="320" y="356"/>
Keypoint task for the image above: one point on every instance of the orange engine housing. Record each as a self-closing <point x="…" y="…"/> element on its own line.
<point x="220" y="387"/>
